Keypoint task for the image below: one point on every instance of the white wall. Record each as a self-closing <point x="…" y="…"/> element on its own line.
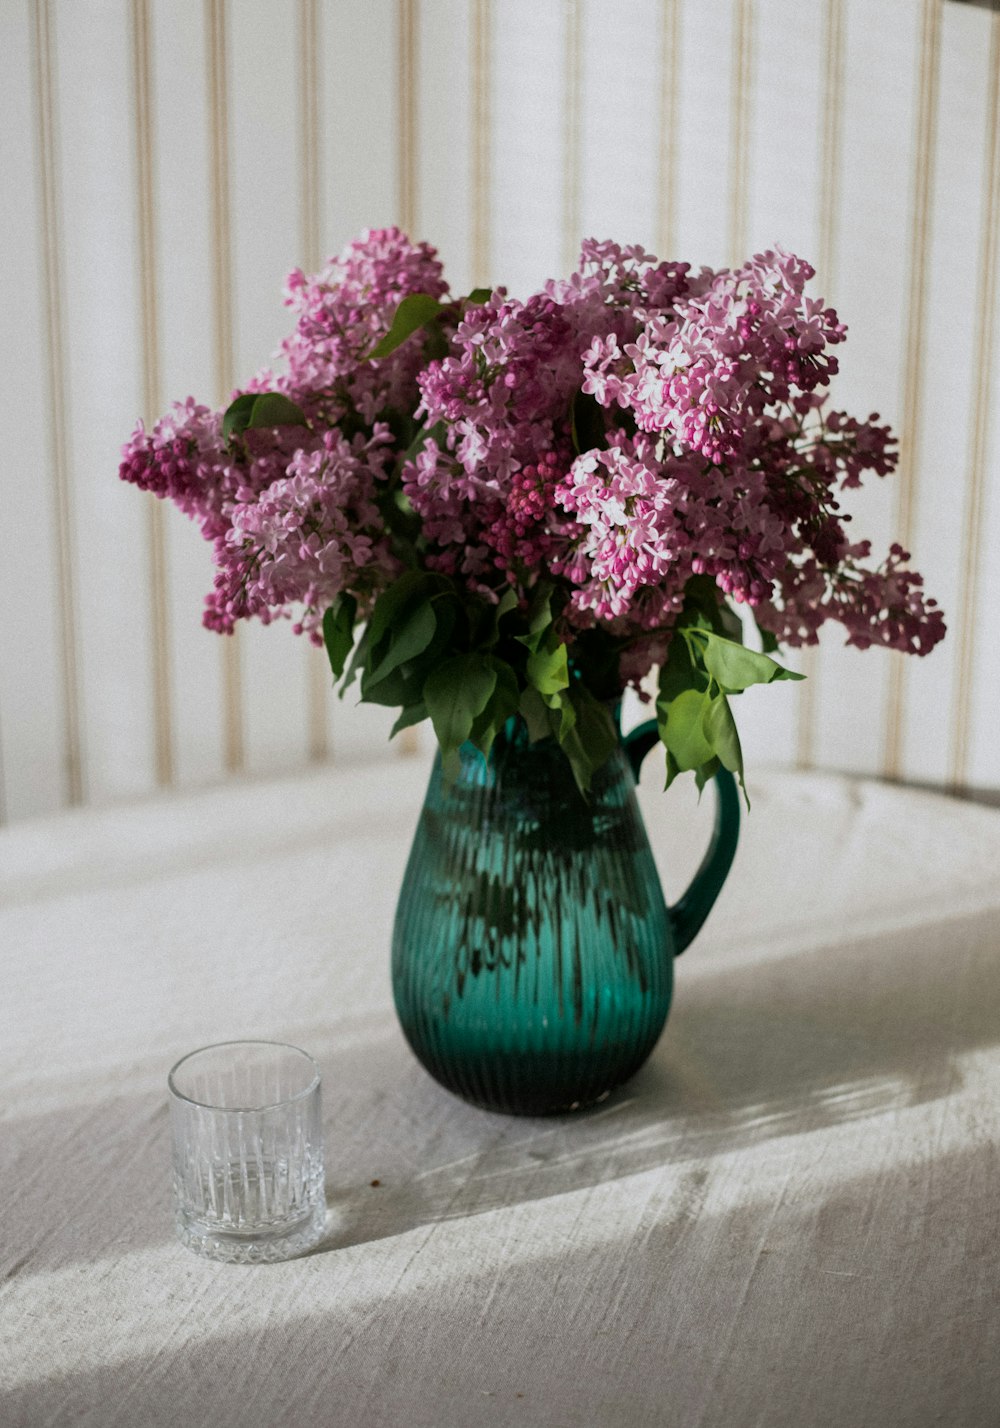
<point x="165" y="162"/>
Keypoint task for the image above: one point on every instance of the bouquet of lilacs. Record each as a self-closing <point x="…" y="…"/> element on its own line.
<point x="490" y="509"/>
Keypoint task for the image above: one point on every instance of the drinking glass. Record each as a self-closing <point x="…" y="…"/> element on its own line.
<point x="247" y="1151"/>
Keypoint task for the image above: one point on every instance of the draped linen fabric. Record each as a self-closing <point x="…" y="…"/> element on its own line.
<point x="788" y="1217"/>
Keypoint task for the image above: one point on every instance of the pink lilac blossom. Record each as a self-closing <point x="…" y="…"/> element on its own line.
<point x="343" y="312"/>
<point x="620" y="431"/>
<point x="885" y="606"/>
<point x="310" y="535"/>
<point x="734" y="343"/>
<point x="182" y="459"/>
<point x="290" y="510"/>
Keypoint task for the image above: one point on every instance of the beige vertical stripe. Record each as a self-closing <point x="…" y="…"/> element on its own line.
<point x="975" y="487"/>
<point x="913" y="382"/>
<point x="408" y="741"/>
<point x="666" y="178"/>
<point x="151" y="390"/>
<point x="481" y="81"/>
<point x="831" y="157"/>
<point x="406" y="59"/>
<point x="739" y="128"/>
<point x="831" y="140"/>
<point x="310" y="183"/>
<point x="222" y="304"/>
<point x="310" y="207"/>
<point x="573" y="70"/>
<point x="43" y="61"/>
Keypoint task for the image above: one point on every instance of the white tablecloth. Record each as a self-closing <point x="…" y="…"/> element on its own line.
<point x="789" y="1218"/>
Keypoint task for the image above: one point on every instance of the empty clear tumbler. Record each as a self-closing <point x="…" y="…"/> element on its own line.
<point x="247" y="1151"/>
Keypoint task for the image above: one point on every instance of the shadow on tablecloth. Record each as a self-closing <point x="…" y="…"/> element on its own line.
<point x="820" y="1306"/>
<point x="774" y="1049"/>
<point x="780" y="1048"/>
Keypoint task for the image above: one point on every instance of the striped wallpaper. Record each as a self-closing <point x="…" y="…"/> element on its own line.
<point x="167" y="161"/>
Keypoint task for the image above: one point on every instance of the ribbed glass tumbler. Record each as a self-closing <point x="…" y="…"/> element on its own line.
<point x="247" y="1151"/>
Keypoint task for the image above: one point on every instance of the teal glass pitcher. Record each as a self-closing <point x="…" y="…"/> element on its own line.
<point x="532" y="958"/>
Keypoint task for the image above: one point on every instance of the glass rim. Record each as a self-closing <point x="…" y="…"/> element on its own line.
<point x="179" y="1095"/>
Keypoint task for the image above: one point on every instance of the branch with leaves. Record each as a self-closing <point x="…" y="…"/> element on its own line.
<point x="491" y="509"/>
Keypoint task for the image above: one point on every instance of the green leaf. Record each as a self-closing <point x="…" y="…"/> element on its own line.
<point x="410" y="585"/>
<point x="506" y="603"/>
<point x="548" y="669"/>
<point x="397" y="689"/>
<point x="357" y="660"/>
<point x="679" y="672"/>
<point x="735" y="668"/>
<point x="403" y="683"/>
<point x="477" y="297"/>
<point x="702" y="597"/>
<point x="720" y="730"/>
<point x="413" y="313"/>
<point x="768" y="641"/>
<point x="673" y="769"/>
<point x="455" y="694"/>
<point x="338" y="632"/>
<point x="254" y="410"/>
<point x="412" y="714"/>
<point x="447" y="610"/>
<point x="540" y="609"/>
<point x="595" y="723"/>
<point x="409" y="637"/>
<point x="720" y="726"/>
<point x="506" y="685"/>
<point x="435" y="342"/>
<point x="562" y="713"/>
<point x="682" y="728"/>
<point x="237" y="415"/>
<point x="591" y="738"/>
<point x="501" y="706"/>
<point x="401" y="520"/>
<point x="539" y="617"/>
<point x="703" y="773"/>
<point x="535" y="713"/>
<point x="272" y="409"/>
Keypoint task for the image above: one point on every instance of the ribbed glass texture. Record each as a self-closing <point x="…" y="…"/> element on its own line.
<point x="532" y="952"/>
<point x="247" y="1151"/>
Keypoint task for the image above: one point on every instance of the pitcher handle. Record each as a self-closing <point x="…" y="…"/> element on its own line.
<point x="694" y="905"/>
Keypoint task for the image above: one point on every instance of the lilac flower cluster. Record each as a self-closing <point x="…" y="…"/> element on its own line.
<point x="291" y="511"/>
<point x="616" y="434"/>
<point x="714" y="453"/>
<point x="309" y="535"/>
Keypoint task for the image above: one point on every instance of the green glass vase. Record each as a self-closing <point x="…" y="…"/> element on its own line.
<point x="533" y="950"/>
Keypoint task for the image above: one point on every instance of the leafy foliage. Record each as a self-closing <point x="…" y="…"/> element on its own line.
<point x="470" y="666"/>
<point x="420" y="312"/>
<point x="413" y="313"/>
<point x="338" y="632"/>
<point x="703" y="669"/>
<point x="490" y="509"/>
<point x="258" y="410"/>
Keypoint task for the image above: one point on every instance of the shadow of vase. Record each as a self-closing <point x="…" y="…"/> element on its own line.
<point x="781" y="1048"/>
